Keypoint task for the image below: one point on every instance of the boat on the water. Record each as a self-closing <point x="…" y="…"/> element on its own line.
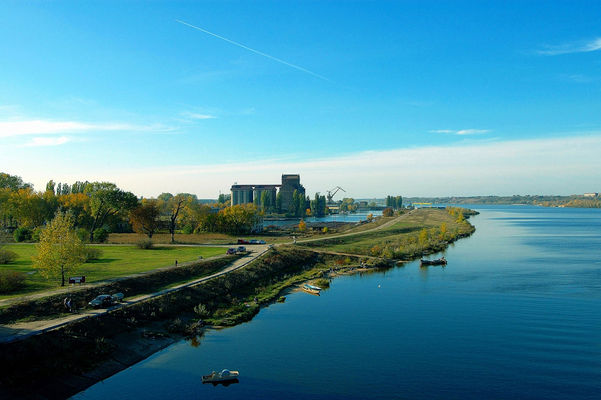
<point x="220" y="377"/>
<point x="440" y="261"/>
<point x="311" y="288"/>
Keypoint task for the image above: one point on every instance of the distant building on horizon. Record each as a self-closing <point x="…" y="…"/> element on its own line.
<point x="591" y="195"/>
<point x="247" y="193"/>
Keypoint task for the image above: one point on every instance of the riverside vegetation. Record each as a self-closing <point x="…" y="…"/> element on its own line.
<point x="424" y="232"/>
<point x="224" y="301"/>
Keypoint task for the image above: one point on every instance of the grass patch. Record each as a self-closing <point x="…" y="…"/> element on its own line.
<point x="115" y="261"/>
<point x="402" y="240"/>
<point x="165" y="238"/>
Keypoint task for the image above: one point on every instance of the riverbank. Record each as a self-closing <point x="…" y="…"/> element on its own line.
<point x="73" y="356"/>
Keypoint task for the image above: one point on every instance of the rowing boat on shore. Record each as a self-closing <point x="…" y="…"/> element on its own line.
<point x="311" y="288"/>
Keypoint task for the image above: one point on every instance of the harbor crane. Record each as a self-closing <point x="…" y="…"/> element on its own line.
<point x="332" y="192"/>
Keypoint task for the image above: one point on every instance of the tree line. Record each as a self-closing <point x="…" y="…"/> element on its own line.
<point x="97" y="208"/>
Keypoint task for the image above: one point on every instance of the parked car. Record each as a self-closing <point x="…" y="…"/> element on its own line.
<point x="242" y="241"/>
<point x="231" y="250"/>
<point x="241" y="249"/>
<point x="254" y="241"/>
<point x="117" y="297"/>
<point x="102" y="301"/>
<point x="106" y="300"/>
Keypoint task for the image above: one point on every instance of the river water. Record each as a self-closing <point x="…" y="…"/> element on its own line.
<point x="344" y="217"/>
<point x="515" y="315"/>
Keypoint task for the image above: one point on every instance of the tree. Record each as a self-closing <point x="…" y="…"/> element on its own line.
<point x="387" y="212"/>
<point x="12" y="182"/>
<point x="302" y="226"/>
<point x="318" y="206"/>
<point x="145" y="217"/>
<point x="265" y="201"/>
<point x="278" y="202"/>
<point x="60" y="251"/>
<point x="78" y="204"/>
<point x="106" y="199"/>
<point x="172" y="207"/>
<point x="32" y="209"/>
<point x="50" y="186"/>
<point x="224" y="199"/>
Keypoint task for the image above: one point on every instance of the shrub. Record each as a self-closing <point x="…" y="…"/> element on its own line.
<point x="388" y="212"/>
<point x="11" y="281"/>
<point x="188" y="229"/>
<point x="83" y="234"/>
<point x="22" y="234"/>
<point x="202" y="311"/>
<point x="101" y="235"/>
<point x="35" y="234"/>
<point x="7" y="256"/>
<point x="323" y="283"/>
<point x="145" y="244"/>
<point x="92" y="253"/>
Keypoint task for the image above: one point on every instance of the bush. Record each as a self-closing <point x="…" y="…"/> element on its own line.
<point x="202" y="311"/>
<point x="101" y="235"/>
<point x="323" y="283"/>
<point x="11" y="281"/>
<point x="22" y="234"/>
<point x="83" y="234"/>
<point x="145" y="244"/>
<point x="92" y="253"/>
<point x="35" y="234"/>
<point x="387" y="212"/>
<point x="188" y="229"/>
<point x="7" y="256"/>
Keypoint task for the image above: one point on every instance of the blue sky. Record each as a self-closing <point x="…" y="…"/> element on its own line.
<point x="121" y="91"/>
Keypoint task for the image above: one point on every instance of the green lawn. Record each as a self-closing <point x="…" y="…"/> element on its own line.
<point x="116" y="261"/>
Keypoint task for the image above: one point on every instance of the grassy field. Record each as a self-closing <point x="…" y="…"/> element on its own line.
<point x="165" y="238"/>
<point x="116" y="261"/>
<point x="402" y="234"/>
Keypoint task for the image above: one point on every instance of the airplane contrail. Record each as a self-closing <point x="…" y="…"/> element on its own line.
<point x="256" y="51"/>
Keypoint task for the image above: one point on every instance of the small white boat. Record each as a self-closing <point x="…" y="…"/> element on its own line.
<point x="311" y="288"/>
<point x="224" y="376"/>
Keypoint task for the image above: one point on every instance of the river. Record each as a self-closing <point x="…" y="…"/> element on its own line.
<point x="516" y="314"/>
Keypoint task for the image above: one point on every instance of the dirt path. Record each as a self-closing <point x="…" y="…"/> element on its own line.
<point x="22" y="330"/>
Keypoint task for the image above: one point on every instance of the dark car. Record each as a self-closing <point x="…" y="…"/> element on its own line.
<point x="102" y="301"/>
<point x="241" y="249"/>
<point x="231" y="250"/>
<point x="106" y="300"/>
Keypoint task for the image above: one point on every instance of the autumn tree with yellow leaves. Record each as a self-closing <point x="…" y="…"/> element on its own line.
<point x="60" y="251"/>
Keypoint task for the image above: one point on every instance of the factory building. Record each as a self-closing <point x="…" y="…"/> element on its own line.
<point x="290" y="183"/>
<point x="242" y="194"/>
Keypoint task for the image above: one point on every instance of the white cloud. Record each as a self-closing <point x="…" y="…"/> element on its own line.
<point x="538" y="166"/>
<point x="192" y="115"/>
<point x="47" y="141"/>
<point x="472" y="131"/>
<point x="49" y="127"/>
<point x="574" y="47"/>
<point x="461" y="131"/>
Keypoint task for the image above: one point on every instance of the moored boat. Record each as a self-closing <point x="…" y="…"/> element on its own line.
<point x="218" y="377"/>
<point x="440" y="261"/>
<point x="311" y="288"/>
